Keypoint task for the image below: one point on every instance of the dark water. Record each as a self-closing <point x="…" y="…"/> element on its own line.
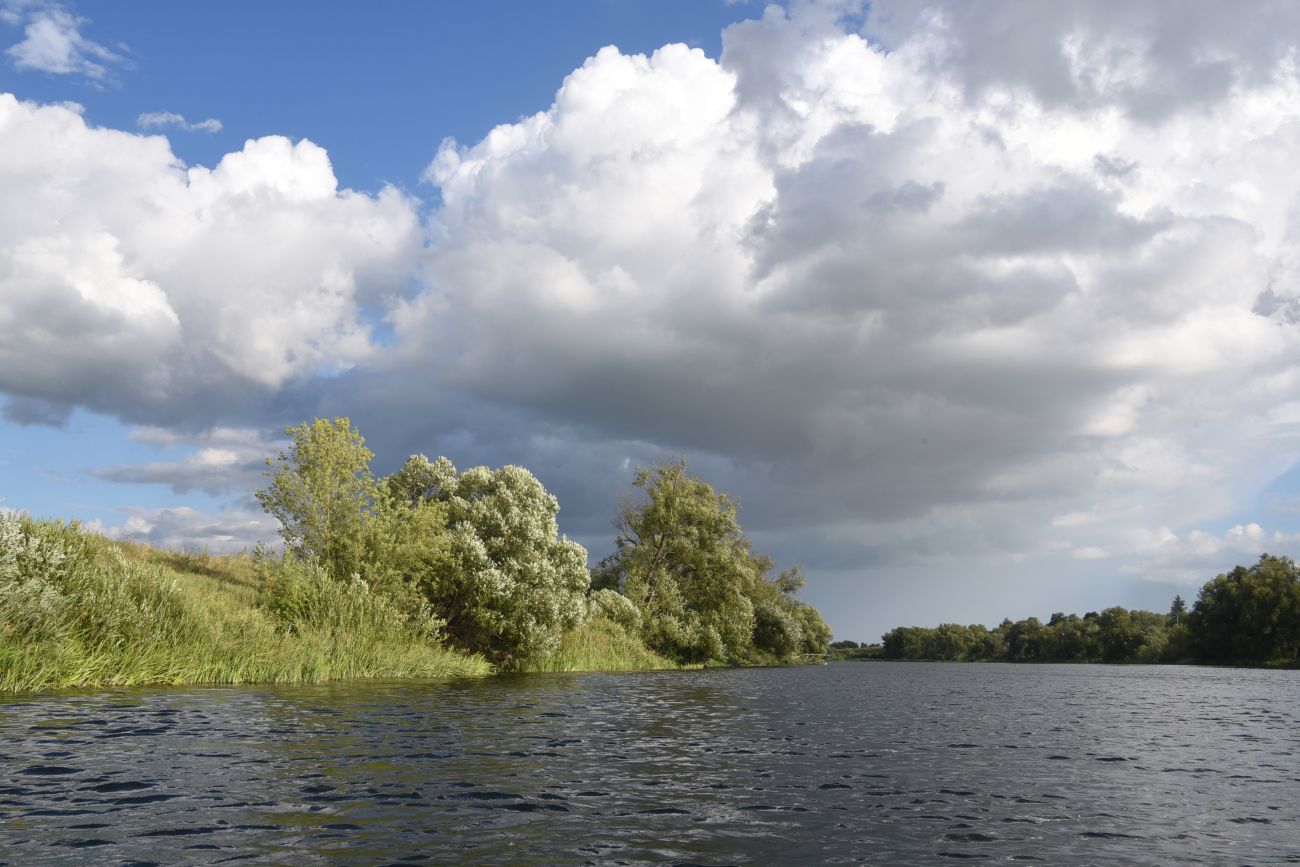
<point x="849" y="763"/>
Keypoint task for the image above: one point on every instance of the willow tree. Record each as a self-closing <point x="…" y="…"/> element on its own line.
<point x="507" y="583"/>
<point x="683" y="560"/>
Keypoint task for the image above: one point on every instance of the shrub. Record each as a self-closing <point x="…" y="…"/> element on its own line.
<point x="300" y="593"/>
<point x="615" y="607"/>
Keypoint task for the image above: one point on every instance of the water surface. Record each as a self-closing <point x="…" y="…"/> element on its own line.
<point x="878" y="763"/>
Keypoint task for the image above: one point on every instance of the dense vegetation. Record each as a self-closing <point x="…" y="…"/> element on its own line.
<point x="478" y="557"/>
<point x="1249" y="616"/>
<point x="427" y="572"/>
<point x="690" y="585"/>
<point x="77" y="610"/>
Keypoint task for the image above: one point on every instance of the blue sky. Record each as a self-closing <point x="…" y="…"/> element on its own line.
<point x="981" y="309"/>
<point x="382" y="86"/>
<point x="381" y="91"/>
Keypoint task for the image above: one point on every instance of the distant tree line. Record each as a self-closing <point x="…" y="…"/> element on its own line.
<point x="476" y="559"/>
<point x="1249" y="616"/>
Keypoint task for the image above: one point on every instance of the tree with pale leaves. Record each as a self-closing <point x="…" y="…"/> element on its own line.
<point x="510" y="584"/>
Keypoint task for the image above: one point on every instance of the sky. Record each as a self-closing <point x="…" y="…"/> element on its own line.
<point x="979" y="309"/>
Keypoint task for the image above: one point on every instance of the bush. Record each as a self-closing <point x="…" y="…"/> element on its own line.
<point x="776" y="631"/>
<point x="599" y="644"/>
<point x="57" y="584"/>
<point x="506" y="581"/>
<point x="300" y="593"/>
<point x="78" y="610"/>
<point x="615" y="607"/>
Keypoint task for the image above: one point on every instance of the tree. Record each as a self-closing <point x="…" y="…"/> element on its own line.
<point x="1118" y="637"/>
<point x="685" y="564"/>
<point x="1249" y="614"/>
<point x="323" y="493"/>
<point x="1025" y="639"/>
<point x="683" y="560"/>
<point x="1177" y="610"/>
<point x="507" y="583"/>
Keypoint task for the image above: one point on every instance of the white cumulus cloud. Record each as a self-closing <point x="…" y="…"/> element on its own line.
<point x="53" y="42"/>
<point x="134" y="285"/>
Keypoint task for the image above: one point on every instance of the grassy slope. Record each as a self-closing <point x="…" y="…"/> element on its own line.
<point x="131" y="614"/>
<point x="160" y="617"/>
<point x="599" y="645"/>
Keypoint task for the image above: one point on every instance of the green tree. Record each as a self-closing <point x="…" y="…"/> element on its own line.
<point x="1249" y="614"/>
<point x="1025" y="640"/>
<point x="683" y="560"/>
<point x="1118" y="637"/>
<point x="323" y="493"/>
<point x="950" y="641"/>
<point x="507" y="583"/>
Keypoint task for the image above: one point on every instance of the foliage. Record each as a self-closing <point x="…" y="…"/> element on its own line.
<point x="59" y="585"/>
<point x="1250" y="614"/>
<point x="299" y="594"/>
<point x="703" y="596"/>
<point x="322" y="493"/>
<point x="480" y="551"/>
<point x="78" y="610"/>
<point x="599" y="644"/>
<point x="1115" y="635"/>
<point x="614" y="606"/>
<point x="507" y="583"/>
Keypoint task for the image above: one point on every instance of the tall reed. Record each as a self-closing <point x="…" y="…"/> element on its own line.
<point x="79" y="610"/>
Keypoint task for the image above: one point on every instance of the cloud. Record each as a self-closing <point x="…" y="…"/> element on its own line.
<point x="53" y="43"/>
<point x="1152" y="60"/>
<point x="158" y="119"/>
<point x="35" y="411"/>
<point x="134" y="285"/>
<point x="906" y="320"/>
<point x="996" y="285"/>
<point x="1195" y="556"/>
<point x="221" y="461"/>
<point x="188" y="529"/>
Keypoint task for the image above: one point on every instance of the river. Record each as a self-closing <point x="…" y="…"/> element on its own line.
<point x="876" y="763"/>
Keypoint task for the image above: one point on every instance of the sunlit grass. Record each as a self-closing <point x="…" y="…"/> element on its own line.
<point x="79" y="610"/>
<point x="599" y="645"/>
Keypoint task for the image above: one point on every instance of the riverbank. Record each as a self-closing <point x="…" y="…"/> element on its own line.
<point x="88" y="611"/>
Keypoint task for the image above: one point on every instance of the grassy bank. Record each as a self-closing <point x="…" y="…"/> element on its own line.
<point x="79" y="610"/>
<point x="599" y="645"/>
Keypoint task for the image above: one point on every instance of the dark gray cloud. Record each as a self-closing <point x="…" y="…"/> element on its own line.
<point x="1153" y="59"/>
<point x="38" y="411"/>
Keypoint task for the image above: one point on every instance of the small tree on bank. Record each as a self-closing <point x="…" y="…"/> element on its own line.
<point x="683" y="561"/>
<point x="323" y="494"/>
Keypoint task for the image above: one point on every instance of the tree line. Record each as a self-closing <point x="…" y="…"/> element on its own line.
<point x="475" y="558"/>
<point x="1249" y="616"/>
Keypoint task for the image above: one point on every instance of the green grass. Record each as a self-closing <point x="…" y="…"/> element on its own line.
<point x="600" y="645"/>
<point x="79" y="610"/>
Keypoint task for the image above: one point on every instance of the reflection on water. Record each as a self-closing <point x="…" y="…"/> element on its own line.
<point x="850" y="763"/>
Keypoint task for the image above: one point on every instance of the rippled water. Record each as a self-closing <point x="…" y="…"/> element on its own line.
<point x="849" y="763"/>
